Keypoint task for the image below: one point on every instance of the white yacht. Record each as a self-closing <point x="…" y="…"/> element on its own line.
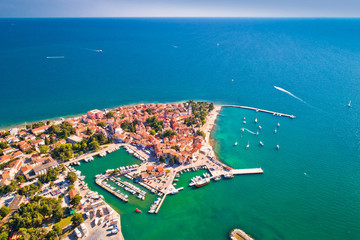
<point x="277" y="147"/>
<point x="242" y="130"/>
<point x="244" y="122"/>
<point x="256" y="120"/>
<point x="236" y="143"/>
<point x="278" y="124"/>
<point x="259" y="127"/>
<point x="247" y="146"/>
<point x="275" y="131"/>
<point x="261" y="143"/>
<point x="257" y="133"/>
<point x="349" y="105"/>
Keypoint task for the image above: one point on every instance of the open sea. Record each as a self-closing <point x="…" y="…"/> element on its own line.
<point x="310" y="188"/>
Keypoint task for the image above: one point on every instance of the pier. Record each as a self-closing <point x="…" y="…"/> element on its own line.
<point x="246" y="171"/>
<point x="99" y="182"/>
<point x="262" y="110"/>
<point x="161" y="202"/>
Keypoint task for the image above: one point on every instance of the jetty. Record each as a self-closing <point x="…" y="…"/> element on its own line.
<point x="262" y="110"/>
<point x="161" y="202"/>
<point x="246" y="171"/>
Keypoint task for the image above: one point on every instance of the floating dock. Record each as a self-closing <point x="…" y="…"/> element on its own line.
<point x="262" y="110"/>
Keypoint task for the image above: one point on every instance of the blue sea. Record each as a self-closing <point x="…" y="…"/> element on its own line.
<point x="310" y="188"/>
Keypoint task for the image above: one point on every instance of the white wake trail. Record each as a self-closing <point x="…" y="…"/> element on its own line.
<point x="287" y="92"/>
<point x="249" y="131"/>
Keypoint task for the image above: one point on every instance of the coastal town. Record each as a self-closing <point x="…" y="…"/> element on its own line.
<point x="36" y="165"/>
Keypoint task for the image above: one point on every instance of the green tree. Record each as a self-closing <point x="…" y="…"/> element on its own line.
<point x="47" y="141"/>
<point x="44" y="149"/>
<point x="75" y="201"/>
<point x="110" y="114"/>
<point x="171" y="161"/>
<point x="77" y="219"/>
<point x="4" y="211"/>
<point x="200" y="133"/>
<point x="4" y="145"/>
<point x="102" y="124"/>
<point x="71" y="176"/>
<point x="162" y="159"/>
<point x="20" y="179"/>
<point x="4" y="235"/>
<point x="168" y="133"/>
<point x="63" y="152"/>
<point x="88" y="131"/>
<point x="52" y="140"/>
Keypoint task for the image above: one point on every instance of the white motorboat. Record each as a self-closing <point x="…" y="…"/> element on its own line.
<point x="236" y="143"/>
<point x="256" y="120"/>
<point x="277" y="147"/>
<point x="261" y="143"/>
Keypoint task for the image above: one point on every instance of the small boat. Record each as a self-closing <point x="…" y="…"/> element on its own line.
<point x="349" y="105"/>
<point x="257" y="133"/>
<point x="261" y="143"/>
<point x="138" y="210"/>
<point x="202" y="182"/>
<point x="275" y="131"/>
<point x="242" y="130"/>
<point x="217" y="178"/>
<point x="256" y="120"/>
<point x="277" y="147"/>
<point x="244" y="122"/>
<point x="247" y="146"/>
<point x="228" y="175"/>
<point x="236" y="143"/>
<point x="259" y="127"/>
<point x="278" y="124"/>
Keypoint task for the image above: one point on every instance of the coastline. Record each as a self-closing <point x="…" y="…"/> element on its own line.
<point x="58" y="118"/>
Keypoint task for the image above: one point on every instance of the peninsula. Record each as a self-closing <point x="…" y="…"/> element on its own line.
<point x="169" y="139"/>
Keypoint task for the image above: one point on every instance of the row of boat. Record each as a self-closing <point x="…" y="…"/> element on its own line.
<point x="113" y="149"/>
<point x="130" y="185"/>
<point x="111" y="189"/>
<point x="154" y="205"/>
<point x="152" y="190"/>
<point x="130" y="151"/>
<point x="88" y="159"/>
<point x="103" y="154"/>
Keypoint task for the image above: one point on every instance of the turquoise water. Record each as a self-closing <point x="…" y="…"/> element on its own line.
<point x="315" y="59"/>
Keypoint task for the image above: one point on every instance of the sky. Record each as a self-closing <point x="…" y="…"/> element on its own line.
<point x="179" y="8"/>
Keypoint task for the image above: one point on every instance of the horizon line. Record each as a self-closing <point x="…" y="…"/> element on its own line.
<point x="189" y="17"/>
